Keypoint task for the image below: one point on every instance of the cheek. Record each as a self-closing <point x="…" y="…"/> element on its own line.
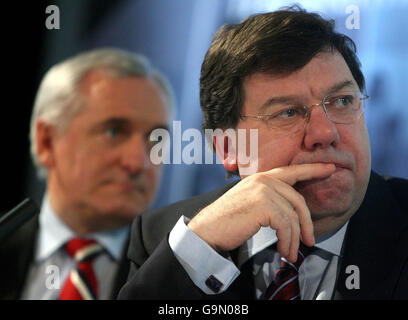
<point x="277" y="152"/>
<point x="84" y="166"/>
<point x="364" y="160"/>
<point x="153" y="175"/>
<point x="356" y="140"/>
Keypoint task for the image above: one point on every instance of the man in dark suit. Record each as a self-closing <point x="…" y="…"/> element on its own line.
<point x="308" y="219"/>
<point x="90" y="139"/>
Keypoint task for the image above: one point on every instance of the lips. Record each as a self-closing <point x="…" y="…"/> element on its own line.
<point x="340" y="164"/>
<point x="131" y="186"/>
<point x="128" y="185"/>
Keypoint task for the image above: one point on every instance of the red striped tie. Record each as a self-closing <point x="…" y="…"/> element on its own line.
<point x="81" y="283"/>
<point x="285" y="285"/>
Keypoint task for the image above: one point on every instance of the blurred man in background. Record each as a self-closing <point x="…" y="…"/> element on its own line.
<point x="90" y="129"/>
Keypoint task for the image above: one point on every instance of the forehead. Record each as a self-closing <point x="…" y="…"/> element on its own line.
<point x="312" y="81"/>
<point x="135" y="98"/>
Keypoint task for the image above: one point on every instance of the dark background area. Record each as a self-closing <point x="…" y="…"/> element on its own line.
<point x="24" y="39"/>
<point x="22" y="44"/>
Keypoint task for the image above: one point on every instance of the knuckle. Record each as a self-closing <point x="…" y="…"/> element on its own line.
<point x="258" y="178"/>
<point x="261" y="188"/>
<point x="285" y="221"/>
<point x="295" y="217"/>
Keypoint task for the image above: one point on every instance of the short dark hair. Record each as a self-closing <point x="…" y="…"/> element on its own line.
<point x="278" y="42"/>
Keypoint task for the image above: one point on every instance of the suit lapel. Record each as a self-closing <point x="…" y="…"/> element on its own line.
<point x="122" y="273"/>
<point x="15" y="255"/>
<point x="371" y="245"/>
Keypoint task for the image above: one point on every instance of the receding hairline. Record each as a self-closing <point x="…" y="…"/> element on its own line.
<point x="101" y="73"/>
<point x="98" y="74"/>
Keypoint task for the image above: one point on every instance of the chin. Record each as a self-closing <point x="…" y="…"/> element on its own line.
<point x="129" y="202"/>
<point x="326" y="209"/>
<point x="126" y="210"/>
<point x="330" y="200"/>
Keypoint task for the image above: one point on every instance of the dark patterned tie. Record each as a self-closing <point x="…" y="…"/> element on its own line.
<point x="285" y="285"/>
<point x="81" y="283"/>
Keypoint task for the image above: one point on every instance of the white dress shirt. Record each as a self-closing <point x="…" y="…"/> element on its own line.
<point x="52" y="264"/>
<point x="317" y="274"/>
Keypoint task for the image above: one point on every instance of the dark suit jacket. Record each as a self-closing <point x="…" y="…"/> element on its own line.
<point x="376" y="241"/>
<point x="16" y="254"/>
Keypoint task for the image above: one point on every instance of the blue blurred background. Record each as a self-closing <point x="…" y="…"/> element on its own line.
<point x="174" y="35"/>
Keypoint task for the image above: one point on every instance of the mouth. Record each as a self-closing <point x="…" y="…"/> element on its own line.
<point x="130" y="186"/>
<point x="342" y="167"/>
<point x="126" y="186"/>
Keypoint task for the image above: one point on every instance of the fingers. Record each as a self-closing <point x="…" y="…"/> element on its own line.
<point x="294" y="242"/>
<point x="265" y="198"/>
<point x="287" y="227"/>
<point x="301" y="172"/>
<point x="296" y="210"/>
<point x="300" y="207"/>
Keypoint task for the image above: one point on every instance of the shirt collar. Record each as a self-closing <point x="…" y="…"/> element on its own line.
<point x="54" y="233"/>
<point x="266" y="237"/>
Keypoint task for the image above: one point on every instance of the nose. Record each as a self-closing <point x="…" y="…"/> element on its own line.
<point x="320" y="132"/>
<point x="135" y="157"/>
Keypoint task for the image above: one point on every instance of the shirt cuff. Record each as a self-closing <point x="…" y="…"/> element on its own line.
<point x="209" y="271"/>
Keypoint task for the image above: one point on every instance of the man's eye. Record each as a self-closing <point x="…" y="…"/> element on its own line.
<point x="112" y="132"/>
<point x="344" y="101"/>
<point x="287" y="113"/>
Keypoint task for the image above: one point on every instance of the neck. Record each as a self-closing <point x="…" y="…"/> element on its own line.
<point x="327" y="225"/>
<point x="79" y="216"/>
<point x="82" y="213"/>
<point x="71" y="216"/>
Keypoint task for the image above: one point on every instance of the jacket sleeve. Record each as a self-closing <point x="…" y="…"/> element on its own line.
<point x="158" y="275"/>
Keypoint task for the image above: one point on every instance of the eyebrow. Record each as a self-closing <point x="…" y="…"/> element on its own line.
<point x="293" y="98"/>
<point x="125" y="123"/>
<point x="339" y="86"/>
<point x="120" y="122"/>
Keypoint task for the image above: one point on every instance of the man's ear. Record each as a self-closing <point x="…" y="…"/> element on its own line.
<point x="44" y="141"/>
<point x="225" y="150"/>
